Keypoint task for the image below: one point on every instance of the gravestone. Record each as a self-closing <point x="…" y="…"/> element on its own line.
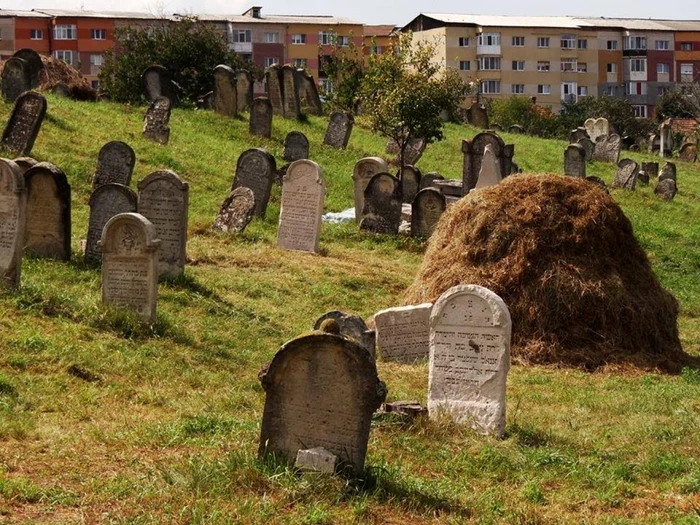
<point x="256" y="169"/>
<point x="105" y="202"/>
<point x="575" y="161"/>
<point x="470" y="330"/>
<point x="607" y="149"/>
<point x="362" y="173"/>
<point x="225" y="91"/>
<point x="61" y="89"/>
<point x="273" y="81"/>
<point x="643" y="178"/>
<point x="403" y="333"/>
<point x="164" y="201"/>
<point x="473" y="151"/>
<point x="339" y="129"/>
<point x="598" y="182"/>
<point x="427" y="208"/>
<point x="381" y="212"/>
<point x="155" y="123"/>
<point x="517" y="129"/>
<point x="626" y="174"/>
<point x="308" y="93"/>
<point x="666" y="189"/>
<point x="496" y="127"/>
<point x="588" y="147"/>
<point x="477" y="116"/>
<point x="206" y="101"/>
<point x="426" y="181"/>
<point x="261" y="118"/>
<point x="595" y="128"/>
<point x="129" y="246"/>
<point x="410" y="183"/>
<point x="24" y="163"/>
<point x="13" y="218"/>
<point x="34" y="63"/>
<point x="303" y="193"/>
<point x="157" y="82"/>
<point x="651" y="169"/>
<point x="688" y="153"/>
<point x="48" y="228"/>
<point x="296" y="146"/>
<point x="668" y="171"/>
<point x="16" y="79"/>
<point x="321" y="391"/>
<point x="490" y="173"/>
<point x="291" y="107"/>
<point x="578" y="134"/>
<point x="115" y="163"/>
<point x="353" y="327"/>
<point x="236" y="212"/>
<point x="24" y="123"/>
<point x="413" y="152"/>
<point x="244" y="90"/>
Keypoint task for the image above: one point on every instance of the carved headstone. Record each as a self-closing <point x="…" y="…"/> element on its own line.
<point x="16" y="79"/>
<point x="575" y="161"/>
<point x="426" y="181"/>
<point x="303" y="193"/>
<point x="607" y="149"/>
<point x="382" y="206"/>
<point x="666" y="189"/>
<point x="490" y="172"/>
<point x="477" y="116"/>
<point x="651" y="169"/>
<point x="516" y="129"/>
<point x="413" y="152"/>
<point x="339" y="129"/>
<point x="261" y="117"/>
<point x="129" y="246"/>
<point x="236" y="212"/>
<point x="626" y="174"/>
<point x="48" y="229"/>
<point x="473" y="154"/>
<point x="403" y="333"/>
<point x="588" y="147"/>
<point x="577" y="134"/>
<point x="308" y="94"/>
<point x="351" y="326"/>
<point x="244" y="90"/>
<point x="296" y="146"/>
<point x="225" y="91"/>
<point x="24" y="123"/>
<point x="273" y="80"/>
<point x="291" y="106"/>
<point x="25" y="163"/>
<point x="61" y="89"/>
<point x="157" y="82"/>
<point x="470" y="330"/>
<point x="598" y="182"/>
<point x="597" y="128"/>
<point x="428" y="207"/>
<point x="363" y="172"/>
<point x="13" y="216"/>
<point x="410" y="183"/>
<point x="105" y="202"/>
<point x="256" y="169"/>
<point x="668" y="171"/>
<point x="34" y="63"/>
<point x="643" y="178"/>
<point x="115" y="163"/>
<point x="688" y="153"/>
<point x="155" y="123"/>
<point x="164" y="201"/>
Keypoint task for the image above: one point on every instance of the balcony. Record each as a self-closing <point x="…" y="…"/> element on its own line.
<point x="488" y="50"/>
<point x="242" y="47"/>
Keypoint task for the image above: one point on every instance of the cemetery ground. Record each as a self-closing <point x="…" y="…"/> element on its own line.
<point x="103" y="420"/>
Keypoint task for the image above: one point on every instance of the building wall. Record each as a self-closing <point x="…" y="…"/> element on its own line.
<point x="684" y="57"/>
<point x="7" y="37"/>
<point x="23" y="31"/>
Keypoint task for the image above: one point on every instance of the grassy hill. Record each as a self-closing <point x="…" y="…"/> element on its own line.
<point x="102" y="421"/>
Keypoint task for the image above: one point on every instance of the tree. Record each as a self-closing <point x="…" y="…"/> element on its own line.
<point x="344" y="68"/>
<point x="618" y="112"/>
<point x="676" y="104"/>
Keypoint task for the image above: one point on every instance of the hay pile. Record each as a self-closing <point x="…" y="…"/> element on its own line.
<point x="56" y="72"/>
<point x="563" y="256"/>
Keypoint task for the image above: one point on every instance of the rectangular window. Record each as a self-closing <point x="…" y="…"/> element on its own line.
<point x="463" y="41"/>
<point x="582" y="43"/>
<point x="582" y="67"/>
<point x="582" y="91"/>
<point x="344" y="41"/>
<point x="95" y="84"/>
<point x="98" y="34"/>
<point x="65" y="32"/>
<point x="687" y="72"/>
<point x="490" y="39"/>
<point x="489" y="63"/>
<point x="518" y="41"/>
<point x="635" y="88"/>
<point x="542" y="66"/>
<point x="662" y="45"/>
<point x="686" y="46"/>
<point x="66" y="56"/>
<point x="517" y="89"/>
<point x="568" y="64"/>
<point x="542" y="41"/>
<point x="326" y="38"/>
<point x="544" y="89"/>
<point x="36" y="34"/>
<point x="640" y="111"/>
<point x="300" y="63"/>
<point x="490" y="87"/>
<point x="518" y="65"/>
<point x="662" y="90"/>
<point x="611" y="45"/>
<point x="663" y="69"/>
<point x="299" y="39"/>
<point x="465" y="65"/>
<point x="611" y="91"/>
<point x="271" y="38"/>
<point x="243" y="36"/>
<point x="638" y="65"/>
<point x="568" y="91"/>
<point x="568" y="42"/>
<point x="376" y="50"/>
<point x="324" y="85"/>
<point x="271" y="61"/>
<point x="635" y="42"/>
<point x="96" y="60"/>
<point x="612" y="67"/>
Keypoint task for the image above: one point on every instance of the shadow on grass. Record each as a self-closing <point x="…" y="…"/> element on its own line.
<point x="60" y="123"/>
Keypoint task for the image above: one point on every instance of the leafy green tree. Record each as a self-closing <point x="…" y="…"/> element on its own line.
<point x="521" y="110"/>
<point x="619" y="113"/>
<point x="344" y="68"/>
<point x="675" y="104"/>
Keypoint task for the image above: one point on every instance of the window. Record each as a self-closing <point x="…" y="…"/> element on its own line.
<point x="489" y="63"/>
<point x="582" y="43"/>
<point x="465" y="65"/>
<point x="299" y="39"/>
<point x="300" y="63"/>
<point x="325" y="38"/>
<point x="324" y="85"/>
<point x="686" y="46"/>
<point x="65" y="32"/>
<point x="490" y="39"/>
<point x="686" y="72"/>
<point x="96" y="60"/>
<point x="66" y="56"/>
<point x="242" y="36"/>
<point x="98" y="34"/>
<point x="375" y="50"/>
<point x="518" y="65"/>
<point x="568" y="42"/>
<point x="663" y="69"/>
<point x="662" y="45"/>
<point x="635" y="88"/>
<point x="611" y="45"/>
<point x="640" y="111"/>
<point x="638" y="65"/>
<point x="582" y="67"/>
<point x="635" y="42"/>
<point x="271" y="61"/>
<point x="490" y="87"/>
<point x="568" y="91"/>
<point x="246" y="57"/>
<point x="518" y="41"/>
<point x="344" y="41"/>
<point x="582" y="91"/>
<point x="611" y="91"/>
<point x="95" y="84"/>
<point x="568" y="64"/>
<point x="517" y="89"/>
<point x="36" y="34"/>
<point x="544" y="89"/>
<point x="463" y="41"/>
<point x="612" y="67"/>
<point x="271" y="38"/>
<point x="542" y="66"/>
<point x="542" y="41"/>
<point x="662" y="90"/>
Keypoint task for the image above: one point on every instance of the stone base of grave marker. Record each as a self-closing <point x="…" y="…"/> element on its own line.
<point x="316" y="460"/>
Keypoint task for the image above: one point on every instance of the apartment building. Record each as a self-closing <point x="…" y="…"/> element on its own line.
<point x="377" y="39"/>
<point x="687" y="51"/>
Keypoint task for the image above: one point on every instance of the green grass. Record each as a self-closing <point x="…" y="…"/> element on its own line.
<point x="104" y="420"/>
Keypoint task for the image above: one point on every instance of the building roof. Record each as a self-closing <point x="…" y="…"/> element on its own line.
<point x="278" y="19"/>
<point x="21" y="14"/>
<point x="381" y="30"/>
<point x="98" y="14"/>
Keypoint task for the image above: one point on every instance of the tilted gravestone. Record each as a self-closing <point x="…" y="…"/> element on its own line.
<point x="651" y="169"/>
<point x="291" y="106"/>
<point x="225" y="91"/>
<point x="575" y="161"/>
<point x="607" y="149"/>
<point x="470" y="329"/>
<point x="273" y="81"/>
<point x="155" y="123"/>
<point x="688" y="153"/>
<point x="24" y="123"/>
<point x="61" y="89"/>
<point x="410" y="183"/>
<point x="24" y="163"/>
<point x="626" y="175"/>
<point x="256" y="169"/>
<point x="261" y="117"/>
<point x="643" y="178"/>
<point x="48" y="229"/>
<point x="477" y="116"/>
<point x="13" y="218"/>
<point x="320" y="391"/>
<point x="666" y="189"/>
<point x="668" y="171"/>
<point x="236" y="212"/>
<point x="16" y="79"/>
<point x="157" y="82"/>
<point x="413" y="152"/>
<point x="308" y="94"/>
<point x="381" y="212"/>
<point x="597" y="128"/>
<point x="244" y="90"/>
<point x="129" y="246"/>
<point x="473" y="151"/>
<point x="426" y="181"/>
<point x="516" y="129"/>
<point x="164" y="201"/>
<point x="490" y="172"/>
<point x="303" y="193"/>
<point x="403" y="333"/>
<point x="105" y="202"/>
<point x="427" y="208"/>
<point x="34" y="63"/>
<point x="339" y="129"/>
<point x="296" y="146"/>
<point x="115" y="163"/>
<point x="353" y="327"/>
<point x="362" y="173"/>
<point x="578" y="134"/>
<point x="588" y="147"/>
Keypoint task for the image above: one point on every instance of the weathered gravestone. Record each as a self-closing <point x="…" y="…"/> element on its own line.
<point x="157" y="82"/>
<point x="688" y="153"/>
<point x="155" y="123"/>
<point x="607" y="149"/>
<point x="410" y="182"/>
<point x="129" y="246"/>
<point x="351" y="326"/>
<point x="296" y="146"/>
<point x="339" y="129"/>
<point x="105" y="202"/>
<point x="24" y="123"/>
<point x="668" y="171"/>
<point x="413" y="152"/>
<point x="362" y="173"/>
<point x="16" y="79"/>
<point x="595" y="128"/>
<point x="13" y="216"/>
<point x="321" y="391"/>
<point x="25" y="163"/>
<point x="598" y="182"/>
<point x="651" y="169"/>
<point x="588" y="147"/>
<point x="473" y="151"/>
<point x="626" y="174"/>
<point x="225" y="91"/>
<point x="427" y="208"/>
<point x="291" y="106"/>
<point x="381" y="212"/>
<point x="643" y="178"/>
<point x="516" y="129"/>
<point x="256" y="169"/>
<point x="244" y="89"/>
<point x="115" y="163"/>
<point x="164" y="201"/>
<point x="61" y="89"/>
<point x="490" y="172"/>
<point x="470" y="330"/>
<point x="206" y="101"/>
<point x="403" y="333"/>
<point x="666" y="189"/>
<point x="477" y="116"/>
<point x="575" y="161"/>
<point x="426" y="181"/>
<point x="308" y="94"/>
<point x="577" y="134"/>
<point x="261" y="117"/>
<point x="34" y="63"/>
<point x="273" y="81"/>
<point x="236" y="212"/>
<point x="303" y="193"/>
<point x="48" y="228"/>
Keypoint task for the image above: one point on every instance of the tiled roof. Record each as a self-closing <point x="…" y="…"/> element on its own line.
<point x="382" y="30"/>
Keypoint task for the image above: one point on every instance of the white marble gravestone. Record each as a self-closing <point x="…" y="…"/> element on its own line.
<point x="490" y="172"/>
<point x="13" y="218"/>
<point x="403" y="332"/>
<point x="303" y="193"/>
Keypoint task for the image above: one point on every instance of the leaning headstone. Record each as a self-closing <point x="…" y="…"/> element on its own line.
<point x="597" y="128"/>
<point x="225" y="91"/>
<point x="236" y="212"/>
<point x="351" y="326"/>
<point x="410" y="183"/>
<point x="578" y="134"/>
<point x="273" y="82"/>
<point x="381" y="212"/>
<point x="48" y="229"/>
<point x="296" y="146"/>
<point x="303" y="193"/>
<point x="643" y="178"/>
<point x="575" y="161"/>
<point x="490" y="173"/>
<point x="25" y="163"/>
<point x="688" y="153"/>
<point x="588" y="147"/>
<point x="413" y="152"/>
<point x="244" y="90"/>
<point x="477" y="116"/>
<point x="426" y="181"/>
<point x="321" y="391"/>
<point x="164" y="201"/>
<point x="16" y="79"/>
<point x="155" y="123"/>
<point x="470" y="330"/>
<point x="115" y="163"/>
<point x="24" y="123"/>
<point x="13" y="215"/>
<point x="607" y="149"/>
<point x="291" y="107"/>
<point x="256" y="169"/>
<point x="339" y="129"/>
<point x="427" y="208"/>
<point x="362" y="173"/>
<point x="157" y="82"/>
<point x="666" y="189"/>
<point x="129" y="246"/>
<point x="34" y="63"/>
<point x="261" y="118"/>
<point x="651" y="169"/>
<point x="105" y="202"/>
<point x="517" y="129"/>
<point x="668" y="171"/>
<point x="308" y="93"/>
<point x="403" y="333"/>
<point x="626" y="174"/>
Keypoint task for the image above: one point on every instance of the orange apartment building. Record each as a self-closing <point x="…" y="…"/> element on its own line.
<point x="378" y="39"/>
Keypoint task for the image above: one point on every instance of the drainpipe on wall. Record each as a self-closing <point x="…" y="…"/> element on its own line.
<point x="51" y="23"/>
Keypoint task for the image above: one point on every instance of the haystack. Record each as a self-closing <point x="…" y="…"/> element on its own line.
<point x="563" y="256"/>
<point x="56" y="72"/>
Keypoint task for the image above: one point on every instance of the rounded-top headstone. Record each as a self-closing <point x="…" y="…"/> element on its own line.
<point x="33" y="60"/>
<point x="16" y="78"/>
<point x="115" y="163"/>
<point x="236" y="212"/>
